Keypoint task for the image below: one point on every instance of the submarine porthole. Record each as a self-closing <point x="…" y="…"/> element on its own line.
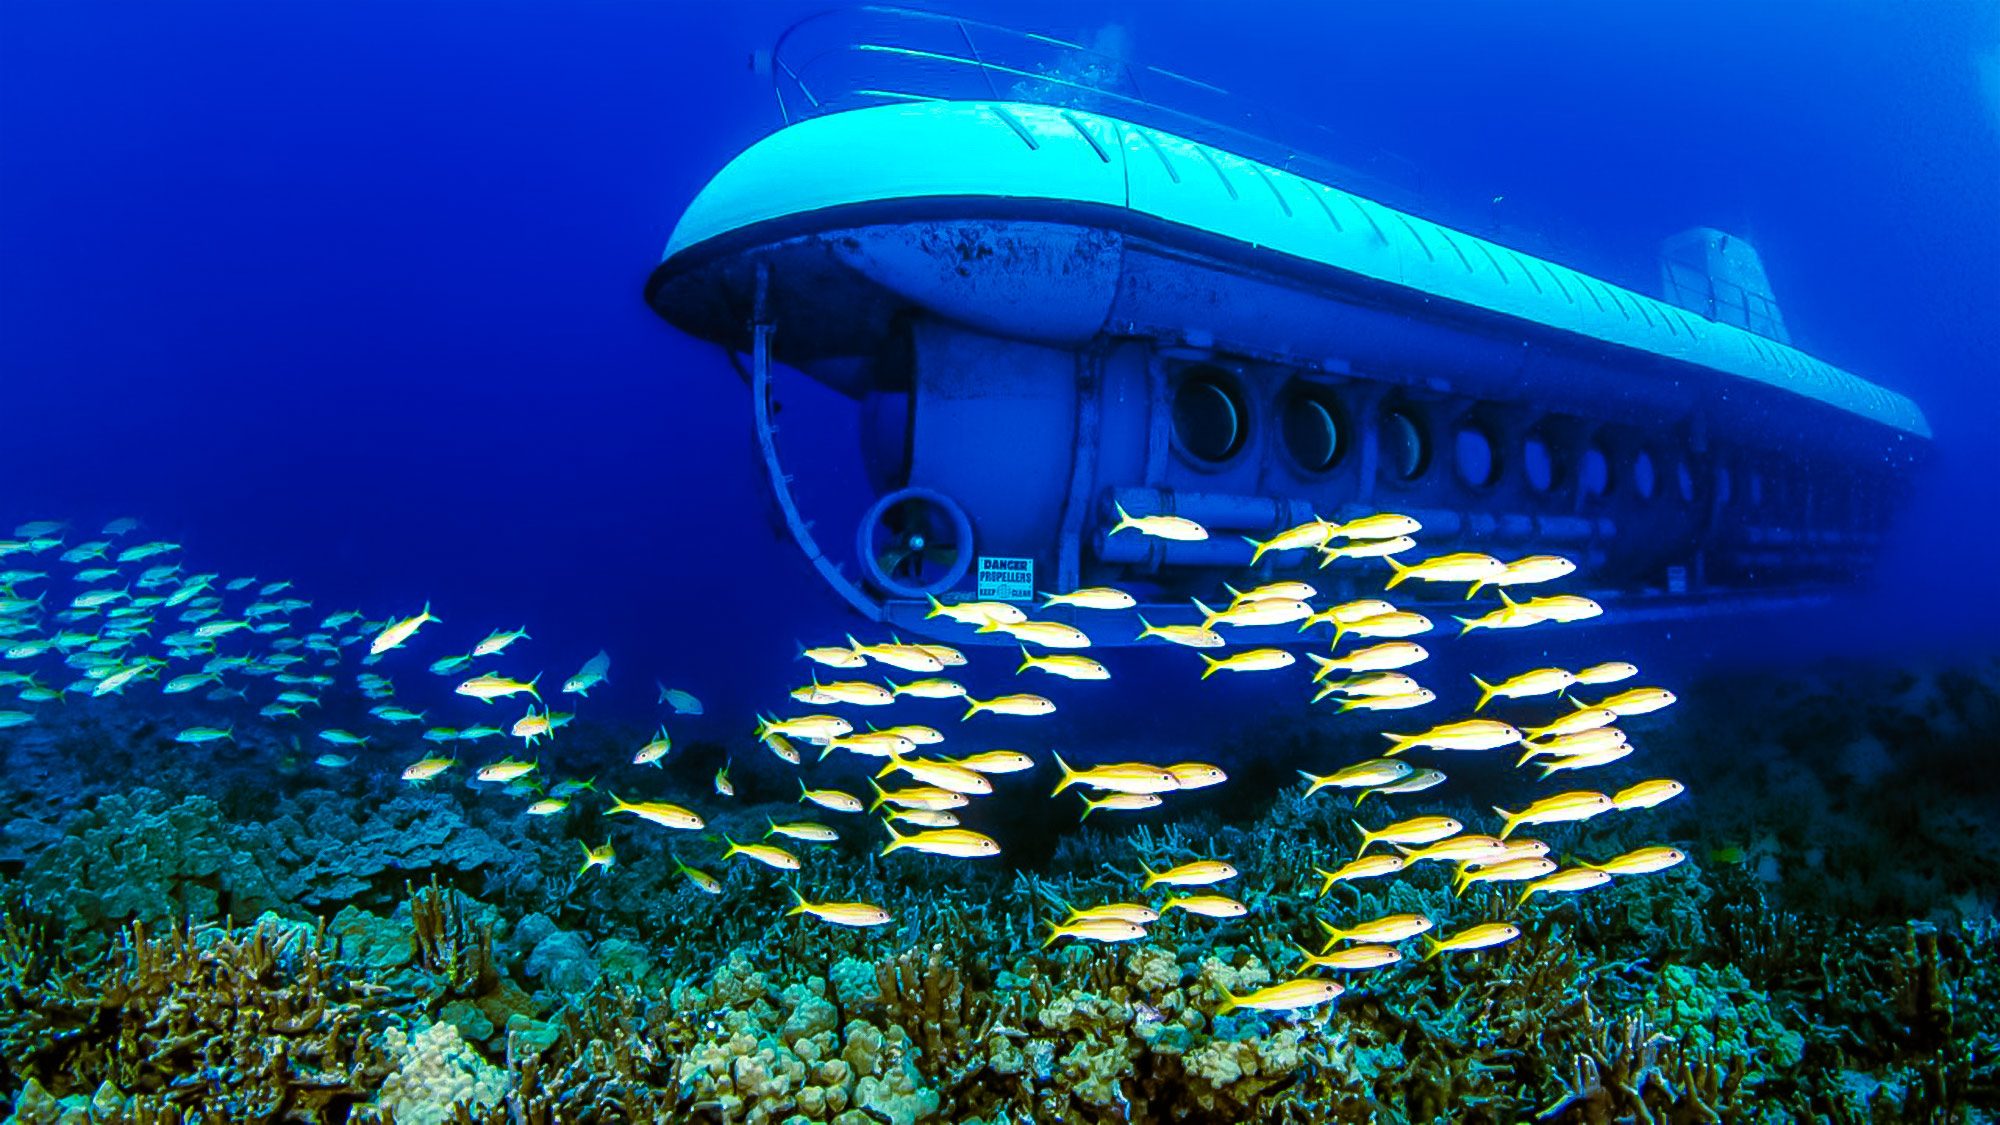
<point x="1594" y="472"/>
<point x="1643" y="479"/>
<point x="1208" y="416"/>
<point x="1472" y="453"/>
<point x="1537" y="464"/>
<point x="1311" y="427"/>
<point x="1405" y="452"/>
<point x="1684" y="476"/>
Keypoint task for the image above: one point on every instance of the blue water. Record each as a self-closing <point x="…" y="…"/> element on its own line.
<point x="350" y="295"/>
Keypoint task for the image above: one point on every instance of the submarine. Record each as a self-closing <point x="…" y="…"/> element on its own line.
<point x="1057" y="287"/>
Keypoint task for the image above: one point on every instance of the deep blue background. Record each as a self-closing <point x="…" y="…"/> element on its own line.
<point x="350" y="292"/>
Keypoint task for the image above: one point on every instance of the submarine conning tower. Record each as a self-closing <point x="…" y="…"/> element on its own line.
<point x="1055" y="286"/>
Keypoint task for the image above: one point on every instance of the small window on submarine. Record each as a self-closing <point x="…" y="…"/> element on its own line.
<point x="1642" y="475"/>
<point x="1405" y="452"/>
<point x="1594" y="473"/>
<point x="1537" y="463"/>
<point x="1312" y="428"/>
<point x="1472" y="452"/>
<point x="1209" y="417"/>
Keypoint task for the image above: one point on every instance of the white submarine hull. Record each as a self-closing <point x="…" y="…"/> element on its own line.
<point x="1047" y="313"/>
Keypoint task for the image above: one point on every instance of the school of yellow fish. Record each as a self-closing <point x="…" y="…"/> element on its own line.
<point x="104" y="633"/>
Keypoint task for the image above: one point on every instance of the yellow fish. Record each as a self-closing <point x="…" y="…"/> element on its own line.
<point x="916" y="734"/>
<point x="928" y="797"/>
<point x="1569" y="880"/>
<point x="1527" y="571"/>
<point x="1388" y="928"/>
<point x="1066" y="665"/>
<point x="1582" y="742"/>
<point x="910" y="658"/>
<point x="548" y="806"/>
<point x="1385" y="657"/>
<point x="768" y="854"/>
<point x="833" y="799"/>
<point x="703" y="881"/>
<point x="943" y="774"/>
<point x="857" y="914"/>
<point x="1464" y="566"/>
<point x="1470" y="734"/>
<point x="1018" y="704"/>
<point x="996" y="761"/>
<point x="1574" y="805"/>
<point x="1092" y="597"/>
<point x="874" y="744"/>
<point x="1264" y="611"/>
<point x="1366" y="867"/>
<point x="1208" y="906"/>
<point x="1642" y="861"/>
<point x="1365" y="549"/>
<point x="1478" y="937"/>
<point x="1541" y="681"/>
<point x="833" y="656"/>
<point x="1575" y="722"/>
<point x="1391" y="626"/>
<point x="1123" y="777"/>
<point x="1287" y="997"/>
<point x="416" y="773"/>
<point x="812" y="727"/>
<point x="1095" y="929"/>
<point x="651" y="753"/>
<point x="1347" y="613"/>
<point x="1379" y="771"/>
<point x="659" y="812"/>
<point x="802" y="830"/>
<point x="1609" y="672"/>
<point x="396" y="634"/>
<point x="1190" y="636"/>
<point x="486" y="689"/>
<point x="1382" y="525"/>
<point x="959" y="843"/>
<point x="1197" y="775"/>
<point x="1121" y="802"/>
<point x="1646" y="794"/>
<point x="1368" y="683"/>
<point x="1250" y="660"/>
<point x="944" y="654"/>
<point x="1352" y="959"/>
<point x="1587" y="760"/>
<point x="1311" y="533"/>
<point x="600" y="856"/>
<point x="1561" y="607"/>
<point x="1177" y="528"/>
<point x="924" y="818"/>
<point x="1416" y="830"/>
<point x="532" y="726"/>
<point x="1136" y="913"/>
<point x="1198" y="873"/>
<point x="1295" y="591"/>
<point x="1637" y="701"/>
<point x="1399" y="702"/>
<point x="857" y="692"/>
<point x="1459" y="849"/>
<point x="1516" y="870"/>
<point x="1415" y="783"/>
<point x="507" y="769"/>
<point x="977" y="613"/>
<point x="1048" y="634"/>
<point x="930" y="689"/>
<point x="1509" y="616"/>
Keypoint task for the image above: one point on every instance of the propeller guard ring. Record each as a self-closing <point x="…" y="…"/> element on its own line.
<point x="880" y="577"/>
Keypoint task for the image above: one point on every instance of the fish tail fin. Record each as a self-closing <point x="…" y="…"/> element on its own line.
<point x="1146" y="628"/>
<point x="1207" y="614"/>
<point x="1361" y="796"/>
<point x="1027" y="661"/>
<point x="798" y="903"/>
<point x="1531" y="751"/>
<point x="1305" y="955"/>
<point x="1511" y="603"/>
<point x="1068" y="774"/>
<point x="1402" y="571"/>
<point x="1485" y="694"/>
<point x="1551" y="768"/>
<point x="894" y="687"/>
<point x="1465" y="624"/>
<point x="972" y="707"/>
<point x="1399" y="743"/>
<point x="896" y="839"/>
<point x="988" y="626"/>
<point x="1347" y="705"/>
<point x="1260" y="549"/>
<point x="1234" y="593"/>
<point x="1367" y="838"/>
<point x="1339" y="631"/>
<point x="937" y="607"/>
<point x="1055" y="932"/>
<point x="1152" y="877"/>
<point x="531" y="687"/>
<point x="1432" y="947"/>
<point x="1579" y="704"/>
<point x="1212" y="663"/>
<point x="1089" y="806"/>
<point x="734" y="847"/>
<point x="1125" y="519"/>
<point x="1475" y="589"/>
<point x="586" y="857"/>
<point x="1229" y="1004"/>
<point x="1511" y="822"/>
